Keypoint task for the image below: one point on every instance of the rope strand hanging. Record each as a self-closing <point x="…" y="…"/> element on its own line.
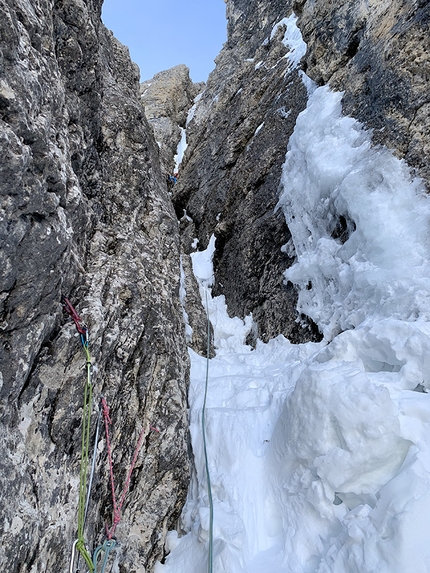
<point x="117" y="506"/>
<point x="85" y="490"/>
<point x="208" y="477"/>
<point x="79" y="544"/>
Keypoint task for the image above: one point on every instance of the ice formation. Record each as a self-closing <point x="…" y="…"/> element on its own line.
<point x="320" y="453"/>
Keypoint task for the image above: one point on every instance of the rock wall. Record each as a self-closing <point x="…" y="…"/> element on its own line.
<point x="376" y="52"/>
<point x="85" y="213"/>
<point x="230" y="174"/>
<point x="166" y="98"/>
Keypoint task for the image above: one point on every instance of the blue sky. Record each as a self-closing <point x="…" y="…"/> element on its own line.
<point x="164" y="33"/>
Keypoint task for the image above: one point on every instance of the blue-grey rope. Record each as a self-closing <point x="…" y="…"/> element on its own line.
<point x="93" y="465"/>
<point x="208" y="477"/>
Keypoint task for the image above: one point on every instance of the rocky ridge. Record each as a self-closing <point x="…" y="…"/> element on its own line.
<point x="166" y="98"/>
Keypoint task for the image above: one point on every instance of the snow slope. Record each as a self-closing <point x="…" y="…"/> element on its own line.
<point x="320" y="453"/>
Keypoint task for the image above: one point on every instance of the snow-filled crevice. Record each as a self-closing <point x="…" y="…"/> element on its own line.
<point x="319" y="453"/>
<point x="182" y="146"/>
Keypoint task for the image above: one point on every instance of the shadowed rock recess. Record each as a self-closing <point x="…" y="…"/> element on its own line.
<point x="229" y="180"/>
<point x="85" y="213"/>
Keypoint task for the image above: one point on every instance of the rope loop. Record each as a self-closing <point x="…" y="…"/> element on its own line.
<point x="106" y="411"/>
<point x="117" y="506"/>
<point x="80" y="546"/>
<point x="107" y="547"/>
<point x="110" y="543"/>
<point x="81" y="327"/>
<point x="116" y="517"/>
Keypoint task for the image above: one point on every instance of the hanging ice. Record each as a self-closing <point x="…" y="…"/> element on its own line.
<point x="292" y="39"/>
<point x="335" y="182"/>
<point x="182" y="146"/>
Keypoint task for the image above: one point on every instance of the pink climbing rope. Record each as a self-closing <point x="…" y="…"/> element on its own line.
<point x="81" y="327"/>
<point x="117" y="507"/>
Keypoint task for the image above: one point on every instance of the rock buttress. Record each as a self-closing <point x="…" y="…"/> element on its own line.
<point x="84" y="213"/>
<point x="166" y="98"/>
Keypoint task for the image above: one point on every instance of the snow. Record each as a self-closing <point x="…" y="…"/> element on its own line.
<point x="283" y="112"/>
<point x="202" y="264"/>
<point x="292" y="39"/>
<point x="332" y="171"/>
<point x="192" y="110"/>
<point x="258" y="129"/>
<point x="182" y="146"/>
<point x="309" y="84"/>
<point x="319" y="453"/>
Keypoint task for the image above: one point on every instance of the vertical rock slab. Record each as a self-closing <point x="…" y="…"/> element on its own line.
<point x="230" y="175"/>
<point x="85" y="213"/>
<point x="167" y="97"/>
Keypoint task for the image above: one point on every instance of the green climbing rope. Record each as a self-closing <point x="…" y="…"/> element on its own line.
<point x="86" y="424"/>
<point x="93" y="465"/>
<point x="208" y="477"/>
<point x="79" y="544"/>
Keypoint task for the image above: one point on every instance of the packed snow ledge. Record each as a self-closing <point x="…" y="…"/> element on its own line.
<point x="320" y="453"/>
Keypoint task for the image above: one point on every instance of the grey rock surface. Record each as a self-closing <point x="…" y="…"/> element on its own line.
<point x="167" y="97"/>
<point x="378" y="53"/>
<point x="230" y="175"/>
<point x="85" y="213"/>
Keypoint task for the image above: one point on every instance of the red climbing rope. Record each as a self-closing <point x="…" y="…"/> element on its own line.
<point x="117" y="507"/>
<point x="80" y="324"/>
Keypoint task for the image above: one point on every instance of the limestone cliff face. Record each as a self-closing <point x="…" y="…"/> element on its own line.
<point x="378" y="53"/>
<point x="166" y="98"/>
<point x="230" y="176"/>
<point x="85" y="213"/>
